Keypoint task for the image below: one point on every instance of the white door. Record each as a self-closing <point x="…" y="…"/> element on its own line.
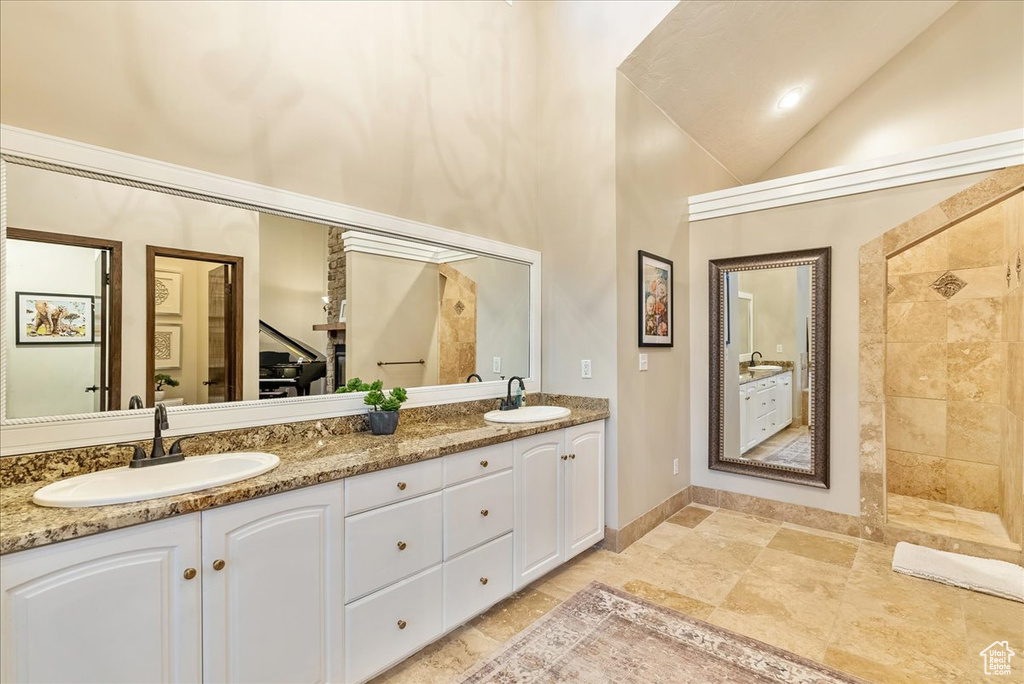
<point x="273" y="603"/>
<point x="539" y="505"/>
<point x="115" y="607"/>
<point x="584" y="487"/>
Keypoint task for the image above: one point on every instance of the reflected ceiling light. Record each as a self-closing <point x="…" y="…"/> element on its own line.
<point x="790" y="99"/>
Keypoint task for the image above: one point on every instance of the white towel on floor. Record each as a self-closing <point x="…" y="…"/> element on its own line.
<point x="988" y="576"/>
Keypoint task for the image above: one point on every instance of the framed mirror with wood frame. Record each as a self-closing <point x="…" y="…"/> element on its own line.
<point x="769" y="375"/>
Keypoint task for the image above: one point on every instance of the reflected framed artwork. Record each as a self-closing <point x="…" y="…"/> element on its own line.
<point x="167" y="346"/>
<point x="47" y="318"/>
<point x="167" y="293"/>
<point x="655" y="299"/>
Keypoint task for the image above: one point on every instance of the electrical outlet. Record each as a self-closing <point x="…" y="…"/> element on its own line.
<point x="586" y="372"/>
<point x="675" y="466"/>
<point x="496" y="364"/>
<point x="643" y="362"/>
<point x="778" y="348"/>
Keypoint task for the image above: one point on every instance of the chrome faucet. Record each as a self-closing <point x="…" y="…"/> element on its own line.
<point x="508" y="403"/>
<point x="157" y="454"/>
<point x="752" y="362"/>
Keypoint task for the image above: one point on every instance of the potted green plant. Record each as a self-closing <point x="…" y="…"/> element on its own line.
<point x="161" y="379"/>
<point x="384" y="413"/>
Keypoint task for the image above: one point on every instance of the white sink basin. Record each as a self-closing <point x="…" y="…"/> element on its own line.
<point x="123" y="485"/>
<point x="527" y="414"/>
<point x="764" y="367"/>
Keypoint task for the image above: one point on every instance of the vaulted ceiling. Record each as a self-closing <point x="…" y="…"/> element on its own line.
<point x="719" y="68"/>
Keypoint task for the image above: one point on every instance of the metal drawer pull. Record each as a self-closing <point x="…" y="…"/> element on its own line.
<point x="401" y="486"/>
<point x="483" y="580"/>
<point x="483" y="464"/>
<point x="190" y="573"/>
<point x="401" y="546"/>
<point x="401" y="624"/>
<point x="484" y="512"/>
<point x="572" y="456"/>
<point x="565" y="457"/>
<point x="218" y="564"/>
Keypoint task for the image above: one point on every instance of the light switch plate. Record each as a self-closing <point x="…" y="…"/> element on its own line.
<point x="586" y="372"/>
<point x="778" y="348"/>
<point x="675" y="466"/>
<point x="643" y="362"/>
<point x="496" y="364"/>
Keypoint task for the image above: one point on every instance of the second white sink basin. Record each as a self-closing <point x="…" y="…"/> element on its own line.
<point x="124" y="485"/>
<point x="764" y="367"/>
<point x="527" y="414"/>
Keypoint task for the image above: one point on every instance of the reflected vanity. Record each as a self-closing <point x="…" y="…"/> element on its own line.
<point x="769" y="375"/>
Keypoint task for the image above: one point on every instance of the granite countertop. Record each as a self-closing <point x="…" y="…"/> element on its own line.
<point x="304" y="462"/>
<point x="761" y="375"/>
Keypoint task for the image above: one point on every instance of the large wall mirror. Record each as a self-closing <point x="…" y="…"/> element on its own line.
<point x="769" y="375"/>
<point x="120" y="294"/>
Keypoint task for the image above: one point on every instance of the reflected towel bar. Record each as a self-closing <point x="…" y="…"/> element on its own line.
<point x="398" y="363"/>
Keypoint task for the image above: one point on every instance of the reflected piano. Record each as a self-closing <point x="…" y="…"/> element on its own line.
<point x="295" y="365"/>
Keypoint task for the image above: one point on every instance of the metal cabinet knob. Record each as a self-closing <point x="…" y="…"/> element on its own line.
<point x="572" y="456"/>
<point x="401" y="624"/>
<point x="565" y="457"/>
<point x="484" y="512"/>
<point x="483" y="580"/>
<point x="483" y="464"/>
<point x="401" y="546"/>
<point x="401" y="486"/>
<point x="218" y="564"/>
<point x="190" y="573"/>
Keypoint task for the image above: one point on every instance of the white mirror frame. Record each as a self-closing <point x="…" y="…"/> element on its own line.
<point x="29" y="435"/>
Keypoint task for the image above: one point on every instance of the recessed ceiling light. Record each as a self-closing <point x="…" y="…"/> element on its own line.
<point x="790" y="99"/>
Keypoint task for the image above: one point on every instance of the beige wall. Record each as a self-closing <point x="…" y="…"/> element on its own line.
<point x="424" y="110"/>
<point x="944" y="364"/>
<point x="961" y="78"/>
<point x="60" y="203"/>
<point x="391" y="316"/>
<point x="844" y="224"/>
<point x="657" y="167"/>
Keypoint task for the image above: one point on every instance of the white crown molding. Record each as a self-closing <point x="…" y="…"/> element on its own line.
<point x="30" y="435"/>
<point x="977" y="155"/>
<point x="371" y="243"/>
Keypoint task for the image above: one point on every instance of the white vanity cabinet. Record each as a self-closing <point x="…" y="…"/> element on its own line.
<point x="559" y="498"/>
<point x="245" y="593"/>
<point x="766" y="407"/>
<point x="114" y="607"/>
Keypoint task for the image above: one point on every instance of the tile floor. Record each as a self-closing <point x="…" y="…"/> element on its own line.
<point x="790" y="447"/>
<point x="949" y="520"/>
<point x="828" y="597"/>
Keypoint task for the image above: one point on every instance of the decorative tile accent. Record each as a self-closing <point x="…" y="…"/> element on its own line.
<point x="948" y="284"/>
<point x="889" y="288"/>
<point x="459" y="307"/>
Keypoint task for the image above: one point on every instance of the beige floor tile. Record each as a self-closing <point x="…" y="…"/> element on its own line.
<point x="664" y="536"/>
<point x="740" y="527"/>
<point x="802" y="603"/>
<point x="815" y="546"/>
<point x="514" y="614"/>
<point x="868" y="670"/>
<point x="770" y="630"/>
<point x="691" y="516"/>
<point x="693" y="577"/>
<point x="783" y="566"/>
<point x="669" y="599"/>
<point x="728" y="554"/>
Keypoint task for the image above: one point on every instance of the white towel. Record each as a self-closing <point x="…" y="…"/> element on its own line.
<point x="988" y="576"/>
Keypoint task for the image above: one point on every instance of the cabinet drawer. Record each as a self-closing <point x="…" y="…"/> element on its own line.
<point x="383" y="487"/>
<point x="476" y="463"/>
<point x="477" y="511"/>
<point x="383" y="628"/>
<point x="477" y="580"/>
<point x="763" y="402"/>
<point x="389" y="544"/>
<point x="767" y="383"/>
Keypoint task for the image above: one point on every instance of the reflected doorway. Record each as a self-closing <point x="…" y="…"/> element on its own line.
<point x="194" y="324"/>
<point x="61" y="287"/>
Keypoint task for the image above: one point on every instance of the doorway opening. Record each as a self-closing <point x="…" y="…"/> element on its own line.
<point x="64" y="351"/>
<point x="194" y="327"/>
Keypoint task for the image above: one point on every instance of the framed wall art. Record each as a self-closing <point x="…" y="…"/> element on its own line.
<point x="48" y="318"/>
<point x="654" y="275"/>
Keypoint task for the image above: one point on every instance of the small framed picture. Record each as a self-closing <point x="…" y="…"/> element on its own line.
<point x="167" y="346"/>
<point x="167" y="293"/>
<point x="47" y="318"/>
<point x="341" y="311"/>
<point x="654" y="276"/>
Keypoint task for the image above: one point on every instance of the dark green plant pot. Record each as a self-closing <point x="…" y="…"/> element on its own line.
<point x="383" y="422"/>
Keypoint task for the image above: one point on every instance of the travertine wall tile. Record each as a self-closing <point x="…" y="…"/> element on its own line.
<point x="916" y="425"/>
<point x="915" y="369"/>
<point x="916" y="321"/>
<point x="931" y="254"/>
<point x="916" y="475"/>
<point x="972" y="485"/>
<point x="973" y="431"/>
<point x="974" y="371"/>
<point x="989" y="281"/>
<point x="872" y="297"/>
<point x="975" y="320"/>
<point x="977" y="241"/>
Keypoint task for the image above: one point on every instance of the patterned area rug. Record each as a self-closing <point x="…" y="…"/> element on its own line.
<point x="796" y="454"/>
<point x="605" y="636"/>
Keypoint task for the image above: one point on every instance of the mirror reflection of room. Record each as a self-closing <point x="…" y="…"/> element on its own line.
<point x="768" y="410"/>
<point x="245" y="304"/>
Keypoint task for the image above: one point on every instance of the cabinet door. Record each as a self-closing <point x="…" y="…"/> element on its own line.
<point x="785" y="402"/>
<point x="115" y="607"/>
<point x="584" y="487"/>
<point x="539" y="505"/>
<point x="274" y="612"/>
<point x="745" y="401"/>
